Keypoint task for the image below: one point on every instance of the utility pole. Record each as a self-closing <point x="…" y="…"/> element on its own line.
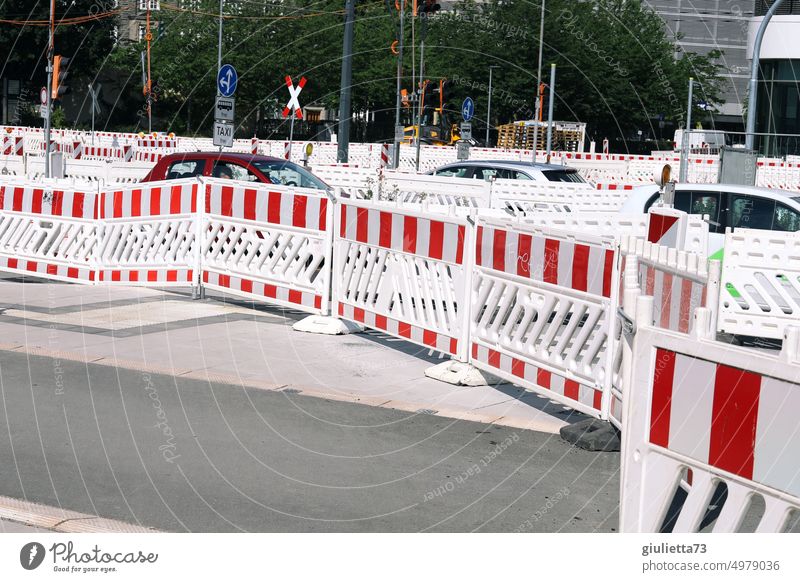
<point x="489" y="108"/>
<point x="397" y="137"/>
<point x="538" y="84"/>
<point x="50" y="53"/>
<point x="752" y="90"/>
<point x="421" y="99"/>
<point x="149" y="88"/>
<point x="219" y="53"/>
<point x="345" y="93"/>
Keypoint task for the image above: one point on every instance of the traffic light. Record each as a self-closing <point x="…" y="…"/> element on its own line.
<point x="60" y="65"/>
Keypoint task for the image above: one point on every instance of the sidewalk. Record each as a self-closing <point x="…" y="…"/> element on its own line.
<point x="231" y="341"/>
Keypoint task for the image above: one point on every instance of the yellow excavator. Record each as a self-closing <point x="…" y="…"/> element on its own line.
<point x="435" y="127"/>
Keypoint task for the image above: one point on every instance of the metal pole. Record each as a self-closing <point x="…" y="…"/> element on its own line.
<point x="219" y="49"/>
<point x="684" y="169"/>
<point x="550" y="109"/>
<point x="396" y="152"/>
<point x="752" y="92"/>
<point x="50" y="53"/>
<point x="345" y="110"/>
<point x="149" y="80"/>
<point x="291" y="134"/>
<point x="489" y="108"/>
<point x="94" y="105"/>
<point x="421" y="99"/>
<point x="538" y="84"/>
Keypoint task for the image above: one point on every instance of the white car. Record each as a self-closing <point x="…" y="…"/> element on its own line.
<point x="510" y="170"/>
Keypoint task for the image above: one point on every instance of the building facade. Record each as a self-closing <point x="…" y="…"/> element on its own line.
<point x="706" y="25"/>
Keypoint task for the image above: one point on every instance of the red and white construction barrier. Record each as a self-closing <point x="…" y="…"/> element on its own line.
<point x="13" y="146"/>
<point x="269" y="243"/>
<point x="706" y="417"/>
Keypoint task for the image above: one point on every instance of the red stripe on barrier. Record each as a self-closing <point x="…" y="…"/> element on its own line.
<point x="152" y="276"/>
<point x="543" y="378"/>
<point x="116" y="204"/>
<point x="597" y="402"/>
<point x="12" y="263"/>
<point x="650" y="281"/>
<point x="518" y="368"/>
<point x="246" y="286"/>
<point x="295" y="297"/>
<point x="410" y="234"/>
<point x="429" y="338"/>
<point x="226" y="201"/>
<point x="475" y="351"/>
<point x="299" y="211"/>
<point x="436" y="239"/>
<point x="72" y="272"/>
<point x="499" y="250"/>
<point x="155" y="201"/>
<point x="31" y="266"/>
<point x="580" y="267"/>
<point x="381" y="322"/>
<point x="453" y="345"/>
<point x="524" y="255"/>
<point x="343" y="221"/>
<point x="479" y="247"/>
<point x="362" y="224"/>
<point x="661" y="408"/>
<point x="52" y="269"/>
<point x="460" y="245"/>
<point x="404" y="329"/>
<point x="317" y="302"/>
<point x="133" y="276"/>
<point x="57" y="205"/>
<point x="323" y="214"/>
<point x="734" y="420"/>
<point x="494" y="358"/>
<point x="17" y="201"/>
<point x="274" y="208"/>
<point x="175" y="200"/>
<point x="36" y="202"/>
<point x="608" y="270"/>
<point x="551" y="261"/>
<point x="136" y="203"/>
<point x="270" y="291"/>
<point x="385" y="233"/>
<point x="250" y="204"/>
<point x="572" y="389"/>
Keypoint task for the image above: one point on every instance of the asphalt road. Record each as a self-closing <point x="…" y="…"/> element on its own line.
<point x="185" y="455"/>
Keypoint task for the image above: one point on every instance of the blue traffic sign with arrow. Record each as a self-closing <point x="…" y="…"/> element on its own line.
<point x="468" y="109"/>
<point x="227" y="80"/>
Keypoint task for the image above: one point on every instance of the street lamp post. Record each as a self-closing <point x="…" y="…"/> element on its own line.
<point x="489" y="108"/>
<point x="397" y="137"/>
<point x="752" y="92"/>
<point x="49" y="100"/>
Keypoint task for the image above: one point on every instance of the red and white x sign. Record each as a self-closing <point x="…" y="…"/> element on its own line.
<point x="294" y="93"/>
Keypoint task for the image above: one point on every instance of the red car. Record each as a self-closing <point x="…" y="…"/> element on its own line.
<point x="236" y="166"/>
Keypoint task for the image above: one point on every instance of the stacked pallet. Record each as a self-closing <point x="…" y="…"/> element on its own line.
<point x="520" y="135"/>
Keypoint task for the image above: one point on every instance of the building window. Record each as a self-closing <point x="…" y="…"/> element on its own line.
<point x="788" y="7"/>
<point x="142" y="32"/>
<point x="149" y="4"/>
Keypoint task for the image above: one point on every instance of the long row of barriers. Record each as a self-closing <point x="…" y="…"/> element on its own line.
<point x="598" y="321"/>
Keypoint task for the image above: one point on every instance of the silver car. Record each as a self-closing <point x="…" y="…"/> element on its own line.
<point x="509" y="170"/>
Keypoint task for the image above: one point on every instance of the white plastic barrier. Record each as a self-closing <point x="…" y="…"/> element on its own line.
<point x="543" y="311"/>
<point x="760" y="292"/>
<point x="415" y="188"/>
<point x="528" y="196"/>
<point x="404" y="273"/>
<point x="147" y="234"/>
<point x="268" y="243"/>
<point x="47" y="231"/>
<point x="710" y="434"/>
<point x="361" y="182"/>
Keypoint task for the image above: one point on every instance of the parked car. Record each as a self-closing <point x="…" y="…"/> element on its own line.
<point x="237" y="166"/>
<point x="510" y="170"/>
<point x="727" y="205"/>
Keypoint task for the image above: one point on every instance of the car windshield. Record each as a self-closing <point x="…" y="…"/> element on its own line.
<point x="563" y="176"/>
<point x="289" y="174"/>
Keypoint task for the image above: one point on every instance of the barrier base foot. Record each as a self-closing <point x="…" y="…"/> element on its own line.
<point x="198" y="292"/>
<point x="592" y="435"/>
<point x="461" y="374"/>
<point x="325" y="324"/>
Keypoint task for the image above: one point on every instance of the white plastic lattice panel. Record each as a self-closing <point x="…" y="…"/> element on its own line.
<point x="542" y="311"/>
<point x="401" y="272"/>
<point x="270" y="244"/>
<point x="148" y="234"/>
<point x="760" y="290"/>
<point x="45" y="231"/>
<point x="706" y="441"/>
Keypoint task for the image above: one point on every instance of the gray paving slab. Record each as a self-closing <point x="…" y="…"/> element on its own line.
<point x="185" y="455"/>
<point x="226" y="336"/>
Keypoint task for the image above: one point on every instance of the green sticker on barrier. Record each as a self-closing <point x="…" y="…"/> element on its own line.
<point x="732" y="290"/>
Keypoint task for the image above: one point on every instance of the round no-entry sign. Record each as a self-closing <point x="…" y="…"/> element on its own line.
<point x="43" y="96"/>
